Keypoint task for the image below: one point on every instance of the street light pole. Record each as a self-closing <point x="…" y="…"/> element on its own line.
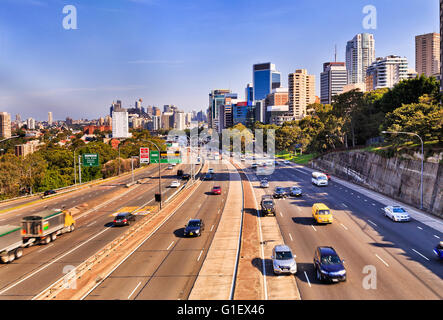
<point x="422" y="160"/>
<point x="159" y="174"/>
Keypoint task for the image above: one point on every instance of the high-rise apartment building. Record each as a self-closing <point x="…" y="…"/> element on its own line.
<point x="386" y="72"/>
<point x="332" y="80"/>
<point x="30" y="124"/>
<point x="120" y="124"/>
<point x="301" y="88"/>
<point x="50" y="120"/>
<point x="265" y="79"/>
<point x="5" y="125"/>
<point x="360" y="54"/>
<point x="277" y="107"/>
<point x="427" y="54"/>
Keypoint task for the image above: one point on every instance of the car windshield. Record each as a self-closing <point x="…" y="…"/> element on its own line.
<point x="121" y="216"/>
<point x="279" y="190"/>
<point x="295" y="189"/>
<point x="216" y="188"/>
<point x="399" y="210"/>
<point x="283" y="255"/>
<point x="330" y="259"/>
<point x="323" y="212"/>
<point x="267" y="203"/>
<point x="322" y="178"/>
<point x="194" y="224"/>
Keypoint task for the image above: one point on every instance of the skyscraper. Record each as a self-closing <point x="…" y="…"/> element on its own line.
<point x="216" y="100"/>
<point x="116" y="106"/>
<point x="427" y="54"/>
<point x="5" y="125"/>
<point x="265" y="79"/>
<point x="332" y="80"/>
<point x="301" y="93"/>
<point x="360" y="54"/>
<point x="50" y="118"/>
<point x="249" y="94"/>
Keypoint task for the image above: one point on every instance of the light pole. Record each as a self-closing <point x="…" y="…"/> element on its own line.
<point x="159" y="174"/>
<point x="422" y="159"/>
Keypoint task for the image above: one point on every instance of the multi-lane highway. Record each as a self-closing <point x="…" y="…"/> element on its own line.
<point x="401" y="253"/>
<point x="41" y="265"/>
<point x="166" y="265"/>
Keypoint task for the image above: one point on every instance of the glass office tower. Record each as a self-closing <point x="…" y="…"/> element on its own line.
<point x="266" y="78"/>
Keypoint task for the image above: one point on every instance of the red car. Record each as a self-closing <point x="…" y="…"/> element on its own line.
<point x="327" y="175"/>
<point x="216" y="190"/>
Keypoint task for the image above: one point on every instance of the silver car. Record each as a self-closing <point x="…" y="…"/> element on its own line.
<point x="264" y="184"/>
<point x="283" y="261"/>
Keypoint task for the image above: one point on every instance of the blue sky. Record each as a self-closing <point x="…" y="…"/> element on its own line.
<point x="175" y="52"/>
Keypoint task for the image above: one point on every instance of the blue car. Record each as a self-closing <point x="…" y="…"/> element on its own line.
<point x="438" y="250"/>
<point x="328" y="265"/>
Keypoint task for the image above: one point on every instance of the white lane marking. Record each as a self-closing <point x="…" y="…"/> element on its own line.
<point x="352" y="193"/>
<point x="52" y="262"/>
<point x="366" y="200"/>
<point x="134" y="290"/>
<point x="45" y="248"/>
<point x="436" y="236"/>
<point x="358" y="197"/>
<point x="372" y="222"/>
<point x="420" y="228"/>
<point x="170" y="245"/>
<point x="290" y="236"/>
<point x="382" y="260"/>
<point x="344" y="205"/>
<point x="306" y="275"/>
<point x="373" y="204"/>
<point x="344" y="226"/>
<point x="91" y="223"/>
<point x="313" y="227"/>
<point x="281" y="214"/>
<point x="420" y="254"/>
<point x="199" y="256"/>
<point x="212" y="227"/>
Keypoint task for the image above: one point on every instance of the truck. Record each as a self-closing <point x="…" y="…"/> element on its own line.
<point x="45" y="226"/>
<point x="11" y="243"/>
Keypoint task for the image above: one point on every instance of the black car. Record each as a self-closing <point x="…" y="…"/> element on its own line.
<point x="49" y="192"/>
<point x="186" y="176"/>
<point x="328" y="266"/>
<point x="280" y="192"/>
<point x="267" y="205"/>
<point x="124" y="219"/>
<point x="194" y="227"/>
<point x="179" y="173"/>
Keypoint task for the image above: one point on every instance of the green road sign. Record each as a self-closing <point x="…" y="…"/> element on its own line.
<point x="154" y="157"/>
<point x="90" y="160"/>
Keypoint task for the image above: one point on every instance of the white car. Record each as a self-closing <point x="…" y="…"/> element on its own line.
<point x="169" y="167"/>
<point x="287" y="162"/>
<point x="264" y="184"/>
<point x="396" y="213"/>
<point x="174" y="184"/>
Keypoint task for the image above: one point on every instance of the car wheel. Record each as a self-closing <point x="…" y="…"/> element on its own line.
<point x="53" y="236"/>
<point x="47" y="240"/>
<point x="18" y="253"/>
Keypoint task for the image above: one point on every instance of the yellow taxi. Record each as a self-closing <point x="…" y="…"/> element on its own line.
<point x="321" y="213"/>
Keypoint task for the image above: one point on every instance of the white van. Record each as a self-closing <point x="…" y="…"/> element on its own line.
<point x="319" y="179"/>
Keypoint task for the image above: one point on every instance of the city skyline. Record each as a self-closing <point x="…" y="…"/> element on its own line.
<point x="78" y="73"/>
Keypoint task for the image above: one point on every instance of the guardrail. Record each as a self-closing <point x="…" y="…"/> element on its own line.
<point x="77" y="272"/>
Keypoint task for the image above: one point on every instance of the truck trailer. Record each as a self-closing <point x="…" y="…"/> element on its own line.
<point x="11" y="243"/>
<point x="45" y="226"/>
